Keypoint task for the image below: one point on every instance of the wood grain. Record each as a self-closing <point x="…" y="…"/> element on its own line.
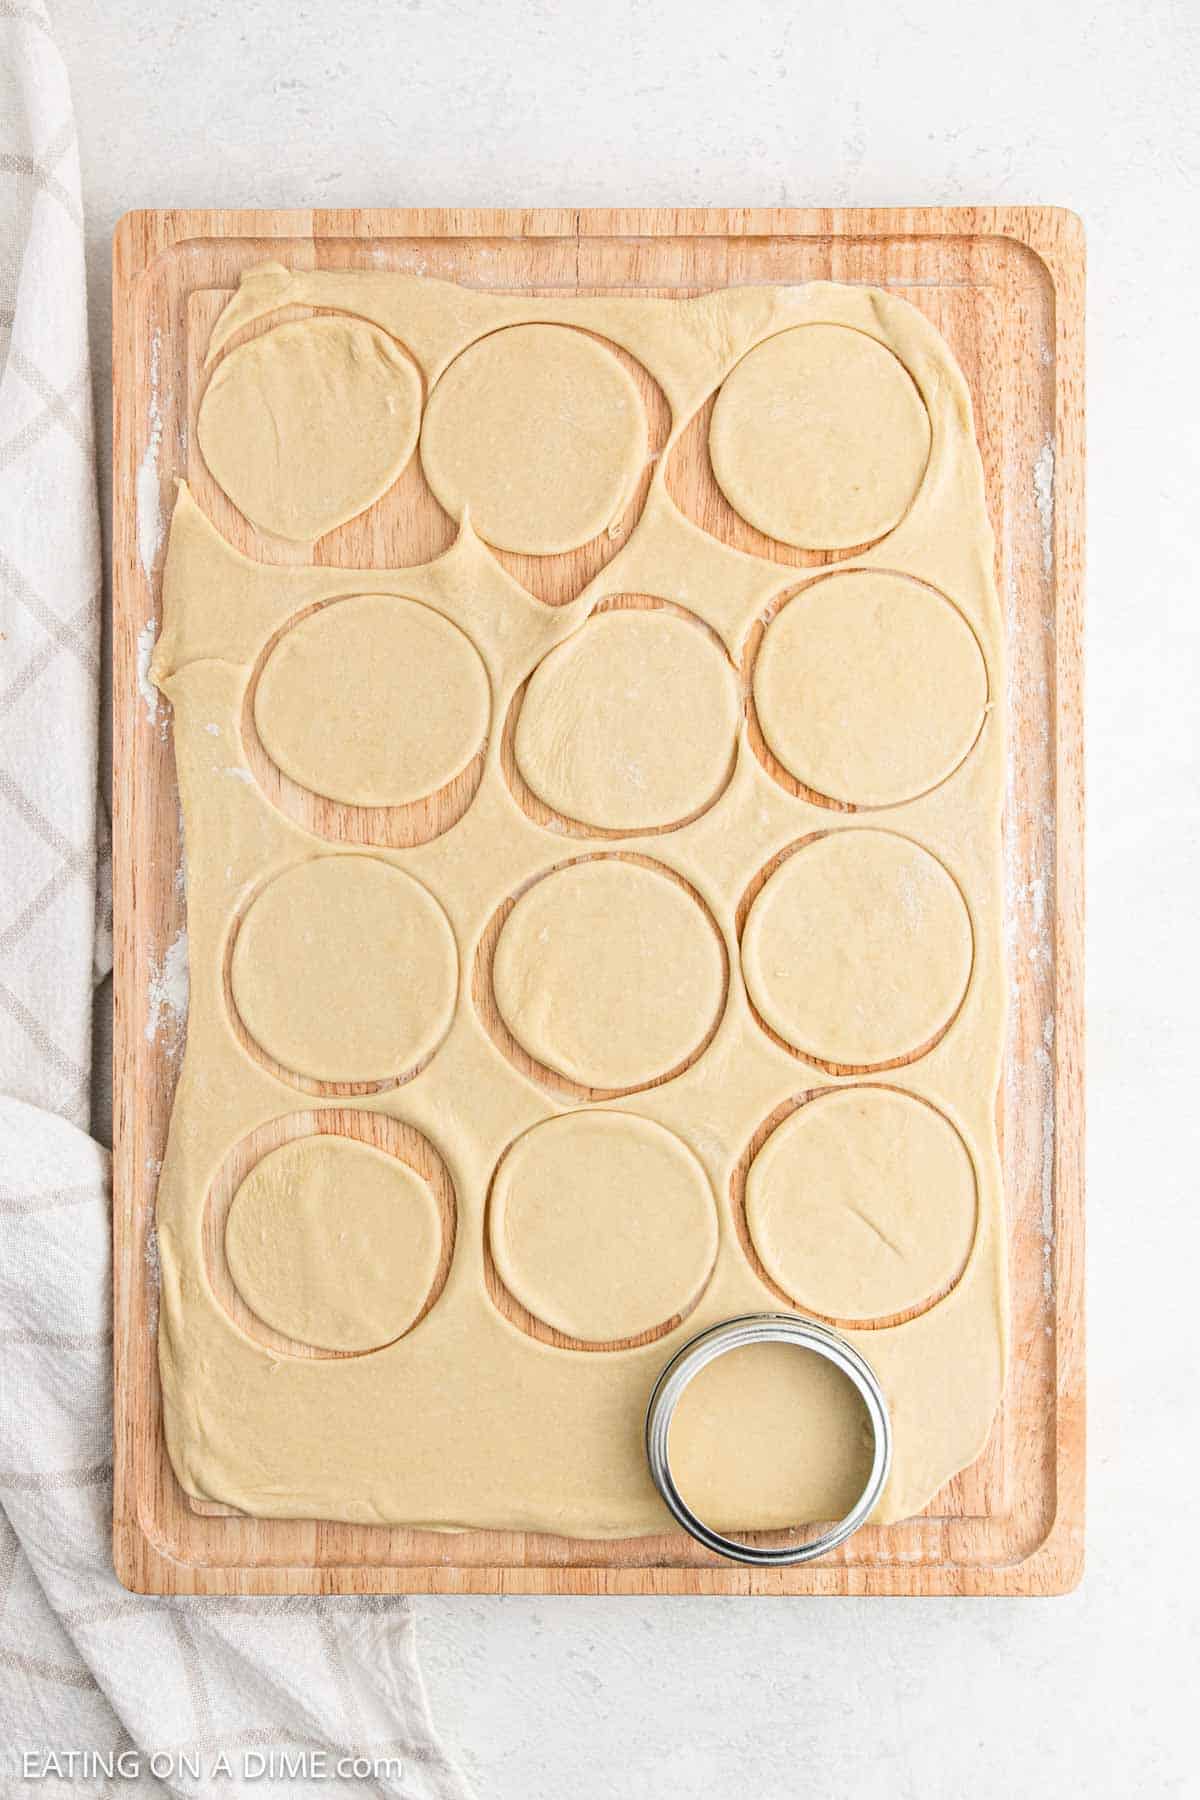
<point x="1005" y="287"/>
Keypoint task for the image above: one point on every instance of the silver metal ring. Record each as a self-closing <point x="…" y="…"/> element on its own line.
<point x="733" y="1334"/>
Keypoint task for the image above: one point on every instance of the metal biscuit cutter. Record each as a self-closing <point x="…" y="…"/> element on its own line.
<point x="733" y="1334"/>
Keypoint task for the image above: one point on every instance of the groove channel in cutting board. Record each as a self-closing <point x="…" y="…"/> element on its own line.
<point x="605" y="971"/>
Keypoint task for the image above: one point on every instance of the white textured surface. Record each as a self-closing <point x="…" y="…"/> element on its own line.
<point x="1091" y="104"/>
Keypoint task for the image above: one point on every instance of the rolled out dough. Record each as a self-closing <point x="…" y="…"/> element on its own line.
<point x="840" y="414"/>
<point x="608" y="972"/>
<point x="869" y="688"/>
<point x="861" y="1204"/>
<point x="345" y="969"/>
<point x="333" y="1243"/>
<point x="631" y="724"/>
<point x="307" y="425"/>
<point x="820" y="438"/>
<point x="795" y="1440"/>
<point x="857" y="949"/>
<point x="602" y="1224"/>
<point x="539" y="432"/>
<point x="374" y="701"/>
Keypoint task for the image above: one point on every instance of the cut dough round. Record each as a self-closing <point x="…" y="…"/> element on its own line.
<point x="374" y="701"/>
<point x="539" y="431"/>
<point x="870" y="688"/>
<point x="768" y="1436"/>
<point x="862" y="1204"/>
<point x="820" y="438"/>
<point x="345" y="969"/>
<point x="308" y="425"/>
<point x="603" y="1225"/>
<point x="333" y="1243"/>
<point x="858" y="948"/>
<point x="631" y="723"/>
<point x="609" y="973"/>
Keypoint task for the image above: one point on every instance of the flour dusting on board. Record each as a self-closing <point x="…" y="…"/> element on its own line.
<point x="1045" y="1064"/>
<point x="1043" y="493"/>
<point x="145" y="653"/>
<point x="149" y="495"/>
<point x="1029" y="853"/>
<point x="153" y="1277"/>
<point x="168" y="996"/>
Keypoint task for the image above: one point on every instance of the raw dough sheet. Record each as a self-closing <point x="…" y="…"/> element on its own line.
<point x="641" y="962"/>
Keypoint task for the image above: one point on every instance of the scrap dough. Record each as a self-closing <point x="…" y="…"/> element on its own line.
<point x="602" y="1224"/>
<point x="307" y="425"/>
<point x="364" y="966"/>
<point x="333" y="1243"/>
<point x="609" y="973"/>
<point x="374" y="701"/>
<point x="869" y="688"/>
<point x="541" y="433"/>
<point x="345" y="969"/>
<point x="630" y="724"/>
<point x="861" y="1204"/>
<point x="819" y="438"/>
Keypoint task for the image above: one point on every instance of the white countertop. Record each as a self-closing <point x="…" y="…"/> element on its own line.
<point x="1089" y="104"/>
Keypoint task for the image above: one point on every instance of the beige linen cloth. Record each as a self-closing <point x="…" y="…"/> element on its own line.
<point x="84" y="1666"/>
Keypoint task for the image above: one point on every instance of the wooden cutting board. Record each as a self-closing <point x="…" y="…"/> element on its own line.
<point x="1005" y="287"/>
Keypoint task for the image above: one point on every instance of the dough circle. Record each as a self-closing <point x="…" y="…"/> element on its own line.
<point x="602" y="1225"/>
<point x="309" y="424"/>
<point x="609" y="973"/>
<point x="631" y="723"/>
<point x="345" y="969"/>
<point x="870" y="688"/>
<point x="819" y="438"/>
<point x="333" y="1243"/>
<point x="861" y="1204"/>
<point x="768" y="1436"/>
<point x="858" y="948"/>
<point x="373" y="700"/>
<point x="540" y="432"/>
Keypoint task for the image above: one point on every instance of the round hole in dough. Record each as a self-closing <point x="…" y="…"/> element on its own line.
<point x="861" y="1204"/>
<point x="819" y="438"/>
<point x="602" y="1225"/>
<point x="309" y="424"/>
<point x="345" y="969"/>
<point x="631" y="723"/>
<point x="870" y="688"/>
<point x="858" y="948"/>
<point x="373" y="701"/>
<point x="539" y="431"/>
<point x="769" y="1436"/>
<point x="608" y="972"/>
<point x="333" y="1243"/>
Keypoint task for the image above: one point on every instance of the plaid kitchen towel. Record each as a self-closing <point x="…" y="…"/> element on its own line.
<point x="193" y="1697"/>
